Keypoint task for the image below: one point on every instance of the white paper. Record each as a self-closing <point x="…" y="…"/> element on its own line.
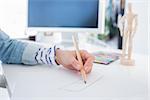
<point x="79" y="85"/>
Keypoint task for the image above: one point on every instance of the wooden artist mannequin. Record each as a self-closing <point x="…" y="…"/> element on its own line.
<point x="129" y="21"/>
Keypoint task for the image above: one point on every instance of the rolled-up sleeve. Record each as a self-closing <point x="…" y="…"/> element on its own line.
<point x="18" y="52"/>
<point x="11" y="51"/>
<point x="29" y="54"/>
<point x="39" y="54"/>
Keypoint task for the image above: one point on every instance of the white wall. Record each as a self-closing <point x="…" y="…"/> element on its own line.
<point x="149" y="27"/>
<point x="13" y="16"/>
<point x="13" y="20"/>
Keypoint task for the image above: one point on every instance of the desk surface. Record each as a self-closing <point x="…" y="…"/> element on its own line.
<point x="41" y="82"/>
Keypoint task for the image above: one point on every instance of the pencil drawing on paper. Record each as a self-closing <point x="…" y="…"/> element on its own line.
<point x="77" y="85"/>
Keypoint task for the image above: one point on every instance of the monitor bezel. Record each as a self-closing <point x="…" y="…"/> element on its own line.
<point x="100" y="29"/>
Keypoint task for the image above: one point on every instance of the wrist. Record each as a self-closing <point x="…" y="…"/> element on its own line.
<point x="58" y="53"/>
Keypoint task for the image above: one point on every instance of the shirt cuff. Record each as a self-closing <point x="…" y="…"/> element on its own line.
<point x="29" y="54"/>
<point x="38" y="54"/>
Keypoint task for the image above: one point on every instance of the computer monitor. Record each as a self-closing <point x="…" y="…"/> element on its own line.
<point x="67" y="16"/>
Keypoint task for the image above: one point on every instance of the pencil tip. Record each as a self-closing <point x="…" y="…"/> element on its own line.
<point x="85" y="82"/>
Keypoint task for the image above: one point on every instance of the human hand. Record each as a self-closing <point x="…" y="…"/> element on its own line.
<point x="68" y="59"/>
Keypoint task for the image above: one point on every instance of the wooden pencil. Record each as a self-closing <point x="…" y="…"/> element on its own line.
<point x="82" y="70"/>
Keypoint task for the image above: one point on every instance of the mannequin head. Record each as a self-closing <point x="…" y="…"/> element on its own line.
<point x="129" y="7"/>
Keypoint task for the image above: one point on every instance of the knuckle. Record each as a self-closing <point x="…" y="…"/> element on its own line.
<point x="83" y="51"/>
<point x="93" y="57"/>
<point x="72" y="61"/>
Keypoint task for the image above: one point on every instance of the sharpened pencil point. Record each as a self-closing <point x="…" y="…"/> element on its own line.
<point x="85" y="82"/>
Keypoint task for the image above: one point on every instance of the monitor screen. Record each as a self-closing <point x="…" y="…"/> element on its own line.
<point x="63" y="13"/>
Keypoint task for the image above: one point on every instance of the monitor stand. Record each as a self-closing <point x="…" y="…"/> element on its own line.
<point x="67" y="39"/>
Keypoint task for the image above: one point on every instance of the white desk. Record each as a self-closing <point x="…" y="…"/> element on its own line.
<point x="39" y="83"/>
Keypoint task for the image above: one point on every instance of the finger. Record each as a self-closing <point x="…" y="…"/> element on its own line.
<point x="88" y="65"/>
<point x="75" y="64"/>
<point x="85" y="55"/>
<point x="88" y="60"/>
<point x="71" y="67"/>
<point x="89" y="69"/>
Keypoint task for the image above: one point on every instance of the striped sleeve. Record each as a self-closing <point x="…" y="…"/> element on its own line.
<point x="36" y="54"/>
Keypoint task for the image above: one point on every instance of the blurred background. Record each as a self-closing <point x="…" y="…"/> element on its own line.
<point x="13" y="20"/>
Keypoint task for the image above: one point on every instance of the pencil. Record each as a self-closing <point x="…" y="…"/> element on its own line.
<point x="82" y="70"/>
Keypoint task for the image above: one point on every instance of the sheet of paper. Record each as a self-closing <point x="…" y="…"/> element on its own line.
<point x="79" y="85"/>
